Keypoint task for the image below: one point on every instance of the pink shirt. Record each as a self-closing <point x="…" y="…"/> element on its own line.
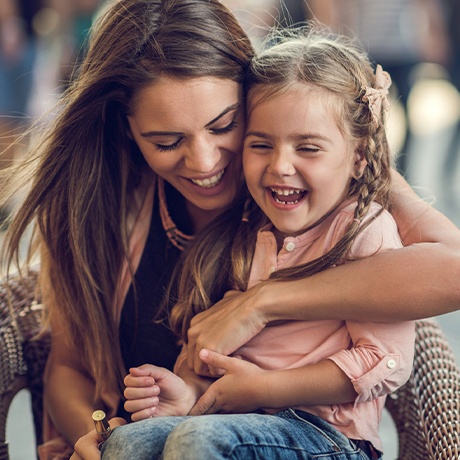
<point x="377" y="357"/>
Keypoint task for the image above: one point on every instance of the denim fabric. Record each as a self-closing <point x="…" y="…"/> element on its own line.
<point x="286" y="435"/>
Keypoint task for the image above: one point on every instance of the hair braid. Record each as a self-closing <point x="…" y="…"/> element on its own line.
<point x="320" y="59"/>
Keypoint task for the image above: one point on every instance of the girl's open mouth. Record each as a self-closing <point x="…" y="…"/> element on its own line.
<point x="288" y="196"/>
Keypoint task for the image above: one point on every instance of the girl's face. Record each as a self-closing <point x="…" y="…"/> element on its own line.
<point x="297" y="163"/>
<point x="190" y="133"/>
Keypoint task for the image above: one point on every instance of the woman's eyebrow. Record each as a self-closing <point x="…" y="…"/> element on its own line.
<point x="224" y="112"/>
<point x="176" y="133"/>
<point x="160" y="133"/>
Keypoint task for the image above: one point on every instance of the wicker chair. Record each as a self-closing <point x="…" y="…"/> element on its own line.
<point x="22" y="356"/>
<point x="426" y="410"/>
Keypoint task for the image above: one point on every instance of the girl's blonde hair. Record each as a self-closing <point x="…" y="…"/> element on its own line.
<point x="221" y="257"/>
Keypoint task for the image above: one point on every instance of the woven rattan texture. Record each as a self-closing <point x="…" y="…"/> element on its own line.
<point x="22" y="356"/>
<point x="426" y="410"/>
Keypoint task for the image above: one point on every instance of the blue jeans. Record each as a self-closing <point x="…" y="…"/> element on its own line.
<point x="286" y="435"/>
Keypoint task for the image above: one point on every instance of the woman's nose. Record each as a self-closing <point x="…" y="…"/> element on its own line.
<point x="203" y="155"/>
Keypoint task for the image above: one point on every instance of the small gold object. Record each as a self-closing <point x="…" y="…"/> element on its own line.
<point x="102" y="425"/>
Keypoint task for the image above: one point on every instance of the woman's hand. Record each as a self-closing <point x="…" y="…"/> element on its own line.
<point x="225" y="327"/>
<point x="87" y="447"/>
<point x="235" y="391"/>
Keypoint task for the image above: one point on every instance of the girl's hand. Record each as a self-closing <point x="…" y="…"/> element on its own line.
<point x="87" y="447"/>
<point x="141" y="392"/>
<point x="153" y="391"/>
<point x="225" y="327"/>
<point x="235" y="391"/>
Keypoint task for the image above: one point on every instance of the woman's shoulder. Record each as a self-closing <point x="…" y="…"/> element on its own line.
<point x="141" y="202"/>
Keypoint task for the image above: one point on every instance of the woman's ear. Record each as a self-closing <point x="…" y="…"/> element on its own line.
<point x="360" y="162"/>
<point x="129" y="132"/>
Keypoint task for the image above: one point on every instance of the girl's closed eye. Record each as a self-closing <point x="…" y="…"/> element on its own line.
<point x="309" y="149"/>
<point x="259" y="146"/>
<point x="257" y="143"/>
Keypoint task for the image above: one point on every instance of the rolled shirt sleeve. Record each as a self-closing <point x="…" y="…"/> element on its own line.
<point x="380" y="360"/>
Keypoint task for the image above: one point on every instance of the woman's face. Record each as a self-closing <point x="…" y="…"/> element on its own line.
<point x="190" y="133"/>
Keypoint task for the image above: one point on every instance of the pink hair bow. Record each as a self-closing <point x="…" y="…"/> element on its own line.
<point x="378" y="96"/>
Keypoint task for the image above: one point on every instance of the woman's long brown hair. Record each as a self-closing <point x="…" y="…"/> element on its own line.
<point x="84" y="168"/>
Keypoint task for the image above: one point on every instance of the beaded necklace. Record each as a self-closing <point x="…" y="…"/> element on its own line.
<point x="175" y="236"/>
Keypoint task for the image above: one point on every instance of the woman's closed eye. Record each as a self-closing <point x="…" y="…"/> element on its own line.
<point x="169" y="145"/>
<point x="225" y="129"/>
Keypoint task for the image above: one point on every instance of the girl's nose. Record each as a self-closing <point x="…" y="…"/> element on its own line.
<point x="280" y="163"/>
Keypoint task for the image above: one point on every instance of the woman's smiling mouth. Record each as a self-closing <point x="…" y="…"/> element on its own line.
<point x="210" y="181"/>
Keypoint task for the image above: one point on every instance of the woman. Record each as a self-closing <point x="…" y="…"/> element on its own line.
<point x="159" y="92"/>
<point x="159" y="96"/>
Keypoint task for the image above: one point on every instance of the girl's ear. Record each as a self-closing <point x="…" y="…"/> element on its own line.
<point x="360" y="162"/>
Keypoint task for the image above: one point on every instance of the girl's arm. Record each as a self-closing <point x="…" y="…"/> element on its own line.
<point x="379" y="362"/>
<point x="245" y="387"/>
<point x="417" y="281"/>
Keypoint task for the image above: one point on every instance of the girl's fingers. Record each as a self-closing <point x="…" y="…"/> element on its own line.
<point x="139" y="405"/>
<point x="132" y="381"/>
<point x="144" y="414"/>
<point x="133" y="393"/>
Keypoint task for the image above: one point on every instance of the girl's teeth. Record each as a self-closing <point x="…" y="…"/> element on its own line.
<point x="286" y="192"/>
<point x="286" y="202"/>
<point x="210" y="181"/>
<point x="279" y="195"/>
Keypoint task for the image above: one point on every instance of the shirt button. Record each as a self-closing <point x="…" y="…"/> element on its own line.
<point x="391" y="364"/>
<point x="290" y="246"/>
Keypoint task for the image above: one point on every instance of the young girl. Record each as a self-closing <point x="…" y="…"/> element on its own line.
<point x="317" y="164"/>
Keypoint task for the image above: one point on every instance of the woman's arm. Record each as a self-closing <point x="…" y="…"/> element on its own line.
<point x="417" y="281"/>
<point x="68" y="391"/>
<point x="419" y="222"/>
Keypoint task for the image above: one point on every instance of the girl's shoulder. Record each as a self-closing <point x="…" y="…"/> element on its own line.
<point x="379" y="231"/>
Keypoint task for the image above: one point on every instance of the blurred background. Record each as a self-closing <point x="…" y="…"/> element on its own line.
<point x="417" y="41"/>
